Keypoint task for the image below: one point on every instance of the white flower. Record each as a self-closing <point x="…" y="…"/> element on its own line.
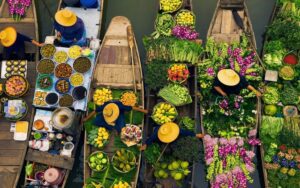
<point x="254" y="111"/>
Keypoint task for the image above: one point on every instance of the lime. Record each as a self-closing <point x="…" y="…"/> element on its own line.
<point x="178" y="176"/>
<point x="175" y="165"/>
<point x="184" y="164"/>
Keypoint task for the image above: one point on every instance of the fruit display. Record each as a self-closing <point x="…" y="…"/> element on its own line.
<point x="45" y="66"/>
<point x="131" y="134"/>
<point x="60" y="57"/>
<point x="124" y="160"/>
<point x="178" y="73"/>
<point x="15" y="68"/>
<point x="74" y="52"/>
<point x="178" y="170"/>
<point x="66" y="100"/>
<point x="129" y="98"/>
<point x="48" y="50"/>
<point x="16" y="86"/>
<point x="102" y="95"/>
<point x="82" y="64"/>
<point x="39" y="98"/>
<point x="170" y="5"/>
<point x="121" y="184"/>
<point x="76" y="79"/>
<point x="164" y="113"/>
<point x="98" y="137"/>
<point x="62" y="86"/>
<point x="45" y="82"/>
<point x="98" y="161"/>
<point x="63" y="70"/>
<point x="185" y="18"/>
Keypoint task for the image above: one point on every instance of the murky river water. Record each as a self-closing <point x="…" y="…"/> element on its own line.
<point x="142" y="14"/>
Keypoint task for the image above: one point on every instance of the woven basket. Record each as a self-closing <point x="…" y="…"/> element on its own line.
<point x="185" y="10"/>
<point x="96" y="152"/>
<point x="116" y="169"/>
<point x="174" y="9"/>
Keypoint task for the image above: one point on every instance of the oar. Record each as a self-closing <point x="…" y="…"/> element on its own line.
<point x="133" y="108"/>
<point x="131" y="43"/>
<point x="238" y="20"/>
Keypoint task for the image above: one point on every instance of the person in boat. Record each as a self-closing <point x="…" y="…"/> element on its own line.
<point x="111" y="115"/>
<point x="14" y="42"/>
<point x="70" y="29"/>
<point x="168" y="133"/>
<point x="229" y="82"/>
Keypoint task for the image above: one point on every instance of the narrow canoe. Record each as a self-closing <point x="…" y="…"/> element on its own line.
<point x="12" y="153"/>
<point x="115" y="71"/>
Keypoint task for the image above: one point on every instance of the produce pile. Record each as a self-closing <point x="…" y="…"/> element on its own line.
<point x="16" y="86"/>
<point x="175" y="38"/>
<point x="98" y="137"/>
<point x="98" y="161"/>
<point x="229" y="163"/>
<point x="279" y="130"/>
<point x="175" y="94"/>
<point x="164" y="113"/>
<point x="176" y="169"/>
<point x="15" y="68"/>
<point x="102" y="95"/>
<point x="178" y="73"/>
<point x="124" y="160"/>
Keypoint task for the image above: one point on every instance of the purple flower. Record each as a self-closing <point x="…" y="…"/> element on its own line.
<point x="210" y="71"/>
<point x="275" y="159"/>
<point x="209" y="161"/>
<point x="183" y="32"/>
<point x="254" y="141"/>
<point x="250" y="168"/>
<point x="293" y="164"/>
<point x="284" y="163"/>
<point x="232" y="141"/>
<point x="236" y="105"/>
<point x="223" y="141"/>
<point x="250" y="154"/>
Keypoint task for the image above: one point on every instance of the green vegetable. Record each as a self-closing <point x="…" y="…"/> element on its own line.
<point x="164" y="24"/>
<point x="271" y="95"/>
<point x="270" y="109"/>
<point x="187" y="149"/>
<point x="187" y="123"/>
<point x="270" y="129"/>
<point x="156" y="75"/>
<point x="273" y="60"/>
<point x="287" y="73"/>
<point x="152" y="153"/>
<point x="289" y="95"/>
<point x="175" y="94"/>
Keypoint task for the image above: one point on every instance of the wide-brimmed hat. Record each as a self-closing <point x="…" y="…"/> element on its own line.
<point x="65" y="17"/>
<point x="8" y="36"/>
<point x="111" y="113"/>
<point x="228" y="77"/>
<point x="168" y="132"/>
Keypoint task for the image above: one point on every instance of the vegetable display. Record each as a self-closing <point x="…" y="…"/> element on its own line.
<point x="176" y="94"/>
<point x="175" y="169"/>
<point x="98" y="137"/>
<point x="102" y="95"/>
<point x="45" y="66"/>
<point x="164" y="24"/>
<point x="163" y="113"/>
<point x="185" y="18"/>
<point x="290" y="95"/>
<point x="287" y="73"/>
<point x="170" y="5"/>
<point x="82" y="64"/>
<point x="271" y="95"/>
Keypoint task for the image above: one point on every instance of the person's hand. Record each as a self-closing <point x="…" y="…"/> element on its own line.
<point x="200" y="135"/>
<point x="40" y="44"/>
<point x="258" y="94"/>
<point x="143" y="147"/>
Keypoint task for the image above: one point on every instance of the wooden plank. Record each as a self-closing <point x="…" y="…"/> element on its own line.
<point x="4" y="126"/>
<point x="9" y="169"/>
<point x="226" y="21"/>
<point x="12" y="160"/>
<point x="51" y="160"/>
<point x="10" y="153"/>
<point x="10" y="20"/>
<point x="5" y="135"/>
<point x="12" y="145"/>
<point x="117" y="85"/>
<point x="229" y="38"/>
<point x="217" y="23"/>
<point x="7" y="179"/>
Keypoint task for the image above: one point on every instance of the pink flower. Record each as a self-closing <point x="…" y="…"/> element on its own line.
<point x="223" y="141"/>
<point x="210" y="71"/>
<point x="250" y="154"/>
<point x="250" y="168"/>
<point x="240" y="142"/>
<point x="209" y="161"/>
<point x="252" y="133"/>
<point x="232" y="141"/>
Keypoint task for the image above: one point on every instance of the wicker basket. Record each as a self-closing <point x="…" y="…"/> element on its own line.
<point x="118" y="170"/>
<point x="156" y="106"/>
<point x="96" y="152"/>
<point x="176" y="82"/>
<point x="185" y="10"/>
<point x="174" y="9"/>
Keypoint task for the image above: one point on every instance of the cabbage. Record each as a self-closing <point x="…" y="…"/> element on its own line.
<point x="287" y="73"/>
<point x="271" y="95"/>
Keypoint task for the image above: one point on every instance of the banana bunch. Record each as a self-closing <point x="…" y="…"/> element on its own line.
<point x="102" y="95"/>
<point x="164" y="113"/>
<point x="121" y="184"/>
<point x="98" y="137"/>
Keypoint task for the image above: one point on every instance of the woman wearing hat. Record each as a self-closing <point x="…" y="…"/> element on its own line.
<point x="168" y="133"/>
<point x="229" y="82"/>
<point x="14" y="42"/>
<point x="70" y="29"/>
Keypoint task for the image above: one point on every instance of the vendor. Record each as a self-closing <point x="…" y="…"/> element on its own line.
<point x="70" y="29"/>
<point x="168" y="133"/>
<point x="14" y="42"/>
<point x="229" y="82"/>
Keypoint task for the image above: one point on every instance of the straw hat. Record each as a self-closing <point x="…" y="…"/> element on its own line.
<point x="228" y="77"/>
<point x="168" y="132"/>
<point x="65" y="17"/>
<point x="111" y="113"/>
<point x="8" y="36"/>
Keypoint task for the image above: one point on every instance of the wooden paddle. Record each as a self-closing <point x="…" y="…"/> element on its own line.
<point x="131" y="43"/>
<point x="133" y="108"/>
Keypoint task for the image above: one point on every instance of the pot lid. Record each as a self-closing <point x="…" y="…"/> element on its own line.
<point x="52" y="175"/>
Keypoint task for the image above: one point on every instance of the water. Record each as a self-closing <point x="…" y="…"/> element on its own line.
<point x="142" y="14"/>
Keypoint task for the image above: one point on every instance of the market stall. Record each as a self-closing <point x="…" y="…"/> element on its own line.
<point x="279" y="131"/>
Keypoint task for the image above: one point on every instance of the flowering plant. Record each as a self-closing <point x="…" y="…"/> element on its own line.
<point x="17" y="8"/>
<point x="184" y="32"/>
<point x="229" y="162"/>
<point x="236" y="56"/>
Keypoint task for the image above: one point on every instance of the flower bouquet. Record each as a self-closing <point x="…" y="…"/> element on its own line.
<point x="17" y="8"/>
<point x="178" y="73"/>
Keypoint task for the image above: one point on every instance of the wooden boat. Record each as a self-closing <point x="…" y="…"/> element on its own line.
<point x="223" y="28"/>
<point x="115" y="70"/>
<point x="12" y="153"/>
<point x="64" y="163"/>
<point x="190" y="110"/>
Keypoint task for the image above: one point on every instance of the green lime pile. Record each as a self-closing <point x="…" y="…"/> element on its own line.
<point x="98" y="161"/>
<point x="178" y="170"/>
<point x="124" y="160"/>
